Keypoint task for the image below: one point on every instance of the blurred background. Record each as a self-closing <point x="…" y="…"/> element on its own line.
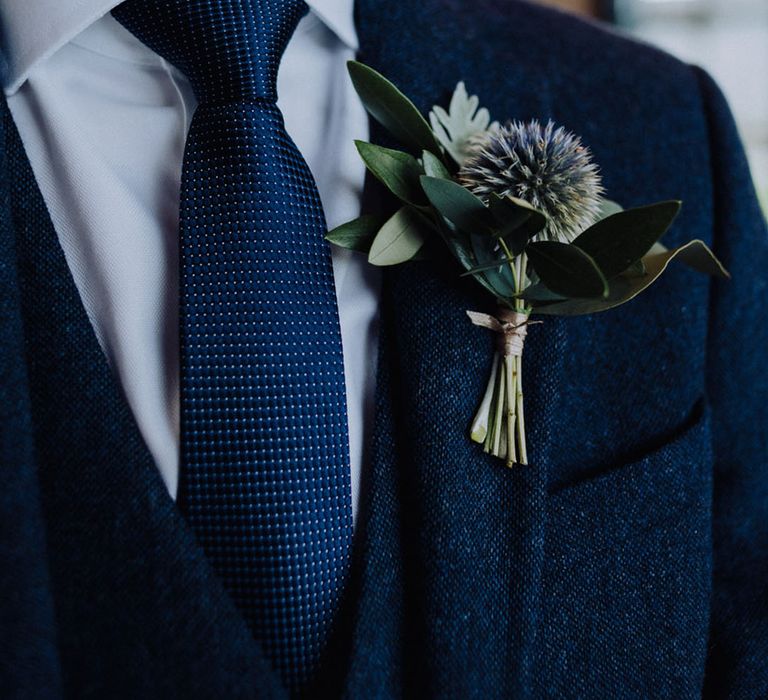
<point x="729" y="38"/>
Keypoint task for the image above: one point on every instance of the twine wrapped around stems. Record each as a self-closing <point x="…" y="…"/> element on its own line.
<point x="511" y="325"/>
<point x="499" y="423"/>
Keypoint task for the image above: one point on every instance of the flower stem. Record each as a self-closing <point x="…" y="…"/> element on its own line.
<point x="513" y="264"/>
<point x="480" y="424"/>
<point x="511" y="374"/>
<point x="520" y="305"/>
<point x="499" y="422"/>
<point x="521" y="414"/>
<point x="500" y="402"/>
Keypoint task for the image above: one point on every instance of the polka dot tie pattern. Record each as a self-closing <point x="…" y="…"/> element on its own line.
<point x="265" y="479"/>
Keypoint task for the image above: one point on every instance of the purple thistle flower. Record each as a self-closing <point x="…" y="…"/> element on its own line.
<point x="547" y="167"/>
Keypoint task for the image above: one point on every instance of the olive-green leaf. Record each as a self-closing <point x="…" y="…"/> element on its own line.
<point x="398" y="171"/>
<point x="608" y="208"/>
<point x="695" y="254"/>
<point x="498" y="276"/>
<point x="458" y="243"/>
<point x="538" y="292"/>
<point x="566" y="269"/>
<point x="399" y="239"/>
<point x="458" y="205"/>
<point x="509" y="212"/>
<point x="392" y="109"/>
<point x="433" y="166"/>
<point x="636" y="269"/>
<point x="623" y="238"/>
<point x="476" y="270"/>
<point x="516" y="221"/>
<point x="358" y="234"/>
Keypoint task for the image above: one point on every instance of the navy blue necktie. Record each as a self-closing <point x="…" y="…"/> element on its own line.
<point x="265" y="477"/>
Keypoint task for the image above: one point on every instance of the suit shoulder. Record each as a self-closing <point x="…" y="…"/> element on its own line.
<point x="567" y="43"/>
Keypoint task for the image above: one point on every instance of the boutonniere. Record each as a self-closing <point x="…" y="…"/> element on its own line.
<point x="522" y="209"/>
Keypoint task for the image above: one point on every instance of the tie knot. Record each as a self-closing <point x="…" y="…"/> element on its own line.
<point x="229" y="50"/>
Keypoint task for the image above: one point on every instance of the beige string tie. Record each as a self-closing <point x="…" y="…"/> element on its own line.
<point x="512" y="326"/>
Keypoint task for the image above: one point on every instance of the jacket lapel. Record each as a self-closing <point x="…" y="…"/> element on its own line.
<point x="445" y="587"/>
<point x="451" y="549"/>
<point x="119" y="554"/>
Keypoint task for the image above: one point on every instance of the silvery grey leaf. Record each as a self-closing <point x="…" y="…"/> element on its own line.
<point x="464" y="120"/>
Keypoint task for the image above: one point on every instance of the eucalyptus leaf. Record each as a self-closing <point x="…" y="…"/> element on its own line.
<point x="510" y="212"/>
<point x="490" y="265"/>
<point x="698" y="257"/>
<point x="399" y="239"/>
<point x="398" y="171"/>
<point x="538" y="292"/>
<point x="486" y="252"/>
<point x="463" y="120"/>
<point x="516" y="221"/>
<point x="458" y="205"/>
<point x="608" y="208"/>
<point x="358" y="234"/>
<point x="433" y="166"/>
<point x="458" y="243"/>
<point x="392" y="109"/>
<point x="623" y="238"/>
<point x="566" y="269"/>
<point x="496" y="277"/>
<point x="636" y="269"/>
<point x="695" y="253"/>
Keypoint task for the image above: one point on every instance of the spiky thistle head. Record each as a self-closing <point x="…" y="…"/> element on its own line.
<point x="548" y="167"/>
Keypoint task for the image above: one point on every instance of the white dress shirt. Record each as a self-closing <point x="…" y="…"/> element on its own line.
<point x="103" y="120"/>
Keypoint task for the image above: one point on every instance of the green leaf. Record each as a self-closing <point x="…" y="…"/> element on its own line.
<point x="458" y="205"/>
<point x="516" y="220"/>
<point x="509" y="213"/>
<point x="538" y="292"/>
<point x="695" y="254"/>
<point x="566" y="269"/>
<point x="358" y="234"/>
<point x="621" y="239"/>
<point x="433" y="166"/>
<point x="458" y="243"/>
<point x="608" y="208"/>
<point x="392" y="109"/>
<point x="477" y="269"/>
<point x="636" y="269"/>
<point x="657" y="248"/>
<point x="497" y="275"/>
<point x="399" y="239"/>
<point x="398" y="171"/>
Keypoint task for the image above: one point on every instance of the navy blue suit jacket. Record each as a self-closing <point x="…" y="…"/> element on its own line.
<point x="629" y="560"/>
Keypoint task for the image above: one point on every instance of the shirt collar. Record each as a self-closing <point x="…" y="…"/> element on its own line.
<point x="339" y="17"/>
<point x="33" y="30"/>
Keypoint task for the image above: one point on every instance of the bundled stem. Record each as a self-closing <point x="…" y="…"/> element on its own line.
<point x="499" y="423"/>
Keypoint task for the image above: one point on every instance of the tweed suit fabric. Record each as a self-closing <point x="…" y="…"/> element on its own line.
<point x="630" y="562"/>
<point x="264" y="449"/>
